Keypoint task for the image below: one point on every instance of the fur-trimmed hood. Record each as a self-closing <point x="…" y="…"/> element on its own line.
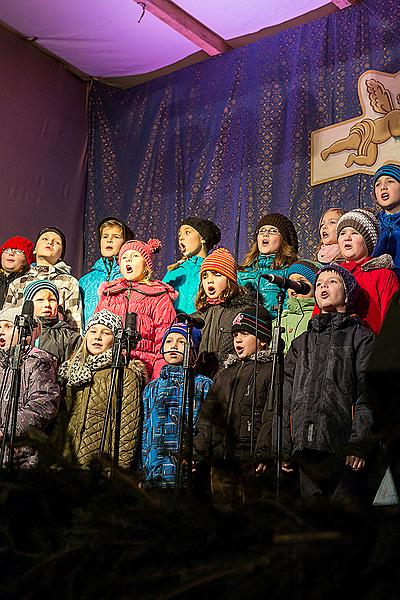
<point x="263" y="356"/>
<point x="384" y="261"/>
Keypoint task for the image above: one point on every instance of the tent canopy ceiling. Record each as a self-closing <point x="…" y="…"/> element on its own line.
<point x="120" y="38"/>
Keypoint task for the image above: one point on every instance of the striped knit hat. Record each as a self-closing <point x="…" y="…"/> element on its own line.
<point x="246" y="321"/>
<point x="363" y="221"/>
<point x="145" y="249"/>
<point x="34" y="287"/>
<point x="307" y="268"/>
<point x="106" y="318"/>
<point x="389" y="170"/>
<point x="351" y="287"/>
<point x="182" y="328"/>
<point x="221" y="261"/>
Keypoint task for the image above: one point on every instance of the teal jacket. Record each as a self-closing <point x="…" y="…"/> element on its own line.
<point x="102" y="270"/>
<point x="185" y="279"/>
<point x="295" y="318"/>
<point x="268" y="291"/>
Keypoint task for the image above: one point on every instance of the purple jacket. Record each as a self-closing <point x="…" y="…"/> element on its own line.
<point x="38" y="400"/>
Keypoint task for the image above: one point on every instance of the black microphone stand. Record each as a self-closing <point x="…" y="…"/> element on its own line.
<point x="9" y="432"/>
<point x="275" y="398"/>
<point x="186" y="454"/>
<point x="121" y="342"/>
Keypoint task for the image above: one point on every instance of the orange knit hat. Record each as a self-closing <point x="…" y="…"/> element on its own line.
<point x="221" y="261"/>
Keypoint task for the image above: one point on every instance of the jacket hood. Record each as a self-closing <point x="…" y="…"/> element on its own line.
<point x="299" y="306"/>
<point x="154" y="288"/>
<point x="263" y="356"/>
<point x="60" y="267"/>
<point x="325" y="321"/>
<point x="385" y="261"/>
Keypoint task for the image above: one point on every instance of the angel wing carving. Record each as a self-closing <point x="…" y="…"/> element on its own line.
<point x="379" y="97"/>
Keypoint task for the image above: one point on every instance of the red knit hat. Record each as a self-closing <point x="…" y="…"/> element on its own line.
<point x="19" y="243"/>
<point x="221" y="261"/>
<point x="146" y="250"/>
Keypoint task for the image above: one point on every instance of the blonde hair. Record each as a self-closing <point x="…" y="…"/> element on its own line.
<point x="340" y="212"/>
<point x="81" y="353"/>
<point x="284" y="257"/>
<point x="112" y="223"/>
<point x="231" y="291"/>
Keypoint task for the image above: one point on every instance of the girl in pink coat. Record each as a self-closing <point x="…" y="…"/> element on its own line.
<point x="152" y="301"/>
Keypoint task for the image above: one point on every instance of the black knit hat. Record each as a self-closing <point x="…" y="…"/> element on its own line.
<point x="350" y="284"/>
<point x="285" y="226"/>
<point x="126" y="230"/>
<point x="246" y="321"/>
<point x="58" y="232"/>
<point x="207" y="229"/>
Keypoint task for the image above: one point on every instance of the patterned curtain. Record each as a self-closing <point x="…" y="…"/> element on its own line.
<point x="229" y="139"/>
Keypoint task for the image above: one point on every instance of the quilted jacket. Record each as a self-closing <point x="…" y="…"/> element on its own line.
<point x="86" y="406"/>
<point x="153" y="304"/>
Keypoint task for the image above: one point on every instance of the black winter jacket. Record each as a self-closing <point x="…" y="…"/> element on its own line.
<point x="58" y="339"/>
<point x="224" y="426"/>
<point x="324" y="383"/>
<point x="216" y="337"/>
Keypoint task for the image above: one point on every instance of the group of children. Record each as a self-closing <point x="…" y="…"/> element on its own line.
<point x="328" y="334"/>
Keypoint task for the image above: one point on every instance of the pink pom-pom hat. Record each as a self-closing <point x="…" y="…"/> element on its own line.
<point x="145" y="249"/>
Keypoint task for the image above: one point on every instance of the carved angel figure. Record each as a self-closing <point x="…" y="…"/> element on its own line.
<point x="366" y="135"/>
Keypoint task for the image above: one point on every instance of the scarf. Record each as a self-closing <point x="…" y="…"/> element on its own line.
<point x="76" y="373"/>
<point x="328" y="253"/>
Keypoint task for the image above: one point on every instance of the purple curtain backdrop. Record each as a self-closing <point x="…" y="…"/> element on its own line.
<point x="43" y="146"/>
<point x="229" y="139"/>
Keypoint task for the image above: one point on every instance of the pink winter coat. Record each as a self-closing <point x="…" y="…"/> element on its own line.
<point x="152" y="302"/>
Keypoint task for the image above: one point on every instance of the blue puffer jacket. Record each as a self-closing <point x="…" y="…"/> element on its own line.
<point x="102" y="270"/>
<point x="389" y="238"/>
<point x="268" y="291"/>
<point x="162" y="399"/>
<point x="185" y="279"/>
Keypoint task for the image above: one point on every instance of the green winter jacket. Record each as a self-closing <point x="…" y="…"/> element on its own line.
<point x="295" y="318"/>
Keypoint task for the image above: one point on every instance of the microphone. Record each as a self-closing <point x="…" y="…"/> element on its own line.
<point x="196" y="322"/>
<point x="130" y="329"/>
<point x="25" y="320"/>
<point x="300" y="287"/>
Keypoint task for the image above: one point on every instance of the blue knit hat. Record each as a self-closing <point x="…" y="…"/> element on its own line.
<point x="351" y="287"/>
<point x="306" y="268"/>
<point x="182" y="328"/>
<point x="389" y="170"/>
<point x="34" y="287"/>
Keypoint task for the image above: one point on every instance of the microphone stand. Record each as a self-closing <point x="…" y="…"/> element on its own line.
<point x="275" y="398"/>
<point x="187" y="405"/>
<point x="121" y="341"/>
<point x="24" y="330"/>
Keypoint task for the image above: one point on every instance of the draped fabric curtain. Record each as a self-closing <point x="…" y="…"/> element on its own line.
<point x="229" y="139"/>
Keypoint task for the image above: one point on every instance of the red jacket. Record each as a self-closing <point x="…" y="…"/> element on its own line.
<point x="152" y="302"/>
<point x="378" y="283"/>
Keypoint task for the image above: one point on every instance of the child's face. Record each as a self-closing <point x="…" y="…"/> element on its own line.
<point x="132" y="265"/>
<point x="48" y="248"/>
<point x="7" y="339"/>
<point x="111" y="240"/>
<point x="330" y="293"/>
<point x="269" y="240"/>
<point x="174" y="347"/>
<point x="245" y="344"/>
<point x="327" y="230"/>
<point x="12" y="261"/>
<point x="99" y="338"/>
<point x="189" y="241"/>
<point x="213" y="284"/>
<point x="45" y="304"/>
<point x="351" y="244"/>
<point x="387" y="193"/>
<point x="298" y="277"/>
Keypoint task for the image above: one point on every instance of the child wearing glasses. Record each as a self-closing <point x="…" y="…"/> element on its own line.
<point x="274" y="249"/>
<point x="16" y="257"/>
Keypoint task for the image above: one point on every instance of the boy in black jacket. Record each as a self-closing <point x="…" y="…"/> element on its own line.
<point x="324" y="390"/>
<point x="230" y="417"/>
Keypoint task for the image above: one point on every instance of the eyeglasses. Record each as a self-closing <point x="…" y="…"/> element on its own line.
<point x="268" y="231"/>
<point x="14" y="251"/>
